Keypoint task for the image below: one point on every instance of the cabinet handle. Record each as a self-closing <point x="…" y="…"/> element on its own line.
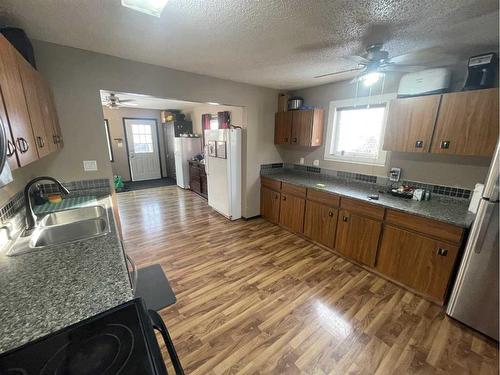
<point x="276" y="196"/>
<point x="11" y="148"/>
<point x="419" y="144"/>
<point x="294" y="140"/>
<point x="284" y="197"/>
<point x="40" y="142"/>
<point x="286" y="140"/>
<point x="445" y="144"/>
<point x="330" y="214"/>
<point x="54" y="139"/>
<point x="442" y="252"/>
<point x="345" y="218"/>
<point x="22" y="145"/>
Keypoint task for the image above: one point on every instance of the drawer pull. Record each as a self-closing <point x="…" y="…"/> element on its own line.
<point x="419" y="144"/>
<point x="330" y="214"/>
<point x="442" y="252"/>
<point x="284" y="197"/>
<point x="294" y="140"/>
<point x="345" y="218"/>
<point x="286" y="140"/>
<point x="445" y="144"/>
<point x="40" y="142"/>
<point x="11" y="149"/>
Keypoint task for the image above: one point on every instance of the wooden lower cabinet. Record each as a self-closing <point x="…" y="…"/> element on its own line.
<point x="420" y="262"/>
<point x="270" y="204"/>
<point x="292" y="210"/>
<point x="320" y="223"/>
<point x="357" y="237"/>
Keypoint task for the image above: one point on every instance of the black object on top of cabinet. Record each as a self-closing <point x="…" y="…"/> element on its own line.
<point x="118" y="341"/>
<point x="482" y="71"/>
<point x="18" y="38"/>
<point x="182" y="127"/>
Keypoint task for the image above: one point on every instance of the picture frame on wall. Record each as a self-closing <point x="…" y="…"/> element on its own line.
<point x="212" y="148"/>
<point x="221" y="149"/>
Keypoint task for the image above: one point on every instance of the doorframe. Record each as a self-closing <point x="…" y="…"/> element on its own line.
<point x="126" y="142"/>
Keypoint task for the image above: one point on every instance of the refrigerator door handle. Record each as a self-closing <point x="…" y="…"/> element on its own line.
<point x="206" y="160"/>
<point x="486" y="213"/>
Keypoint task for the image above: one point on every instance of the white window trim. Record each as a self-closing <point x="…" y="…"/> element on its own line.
<point x="372" y="100"/>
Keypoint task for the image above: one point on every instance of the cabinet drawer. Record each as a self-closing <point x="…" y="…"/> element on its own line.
<point x="271" y="184"/>
<point x="362" y="208"/>
<point x="298" y="191"/>
<point x="322" y="197"/>
<point x="434" y="228"/>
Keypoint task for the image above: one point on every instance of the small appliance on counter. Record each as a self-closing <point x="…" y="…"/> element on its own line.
<point x="482" y="71"/>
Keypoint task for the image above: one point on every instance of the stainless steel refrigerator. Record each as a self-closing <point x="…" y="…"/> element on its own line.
<point x="474" y="299"/>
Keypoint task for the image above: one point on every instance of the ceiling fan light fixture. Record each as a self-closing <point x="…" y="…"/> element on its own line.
<point x="371" y="78"/>
<point x="151" y="7"/>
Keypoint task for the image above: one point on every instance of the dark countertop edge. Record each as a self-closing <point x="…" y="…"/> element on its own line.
<point x="465" y="224"/>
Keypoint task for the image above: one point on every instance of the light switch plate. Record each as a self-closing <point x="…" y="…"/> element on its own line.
<point x="90" y="165"/>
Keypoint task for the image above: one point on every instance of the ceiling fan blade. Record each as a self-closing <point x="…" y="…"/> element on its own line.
<point x="127" y="104"/>
<point x="359" y="59"/>
<point x="424" y="57"/>
<point x="341" y="72"/>
<point x="400" y="68"/>
<point x="125" y="100"/>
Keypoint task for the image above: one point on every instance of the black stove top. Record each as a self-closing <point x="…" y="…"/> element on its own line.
<point x="118" y="341"/>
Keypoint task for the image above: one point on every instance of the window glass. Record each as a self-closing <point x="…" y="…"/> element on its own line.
<point x="142" y="137"/>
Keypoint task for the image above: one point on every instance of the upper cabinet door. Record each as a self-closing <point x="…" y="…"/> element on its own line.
<point x="282" y="128"/>
<point x="410" y="124"/>
<point x="307" y="127"/>
<point x="467" y="123"/>
<point x="11" y="148"/>
<point x="15" y="104"/>
<point x="49" y="115"/>
<point x="30" y="80"/>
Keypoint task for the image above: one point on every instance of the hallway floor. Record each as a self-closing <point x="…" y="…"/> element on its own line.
<point x="253" y="298"/>
<point x="147" y="184"/>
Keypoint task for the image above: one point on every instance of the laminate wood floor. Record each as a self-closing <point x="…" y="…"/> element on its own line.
<point x="256" y="299"/>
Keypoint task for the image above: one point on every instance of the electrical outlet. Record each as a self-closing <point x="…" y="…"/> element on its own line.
<point x="90" y="165"/>
<point x="316" y="163"/>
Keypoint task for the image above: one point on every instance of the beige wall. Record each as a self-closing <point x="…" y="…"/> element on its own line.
<point x="76" y="77"/>
<point x="115" y="117"/>
<point x="437" y="169"/>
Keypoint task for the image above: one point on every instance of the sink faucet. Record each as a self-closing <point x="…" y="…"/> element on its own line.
<point x="30" y="215"/>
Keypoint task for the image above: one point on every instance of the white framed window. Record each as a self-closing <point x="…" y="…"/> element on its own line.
<point x="356" y="128"/>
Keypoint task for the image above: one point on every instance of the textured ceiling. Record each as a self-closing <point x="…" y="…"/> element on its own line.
<point x="150" y="102"/>
<point x="273" y="43"/>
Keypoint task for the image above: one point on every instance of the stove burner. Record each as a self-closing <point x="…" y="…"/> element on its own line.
<point x="106" y="353"/>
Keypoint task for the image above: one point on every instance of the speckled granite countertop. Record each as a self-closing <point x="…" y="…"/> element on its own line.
<point x="42" y="292"/>
<point x="449" y="210"/>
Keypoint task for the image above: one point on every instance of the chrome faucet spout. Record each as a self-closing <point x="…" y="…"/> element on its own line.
<point x="30" y="215"/>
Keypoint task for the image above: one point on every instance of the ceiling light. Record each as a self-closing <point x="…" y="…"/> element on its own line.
<point x="151" y="7"/>
<point x="371" y="78"/>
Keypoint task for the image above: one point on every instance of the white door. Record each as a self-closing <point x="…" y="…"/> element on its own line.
<point x="143" y="153"/>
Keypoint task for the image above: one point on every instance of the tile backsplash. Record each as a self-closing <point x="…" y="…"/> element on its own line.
<point x="451" y="191"/>
<point x="97" y="187"/>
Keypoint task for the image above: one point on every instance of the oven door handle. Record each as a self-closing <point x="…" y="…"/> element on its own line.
<point x="158" y="325"/>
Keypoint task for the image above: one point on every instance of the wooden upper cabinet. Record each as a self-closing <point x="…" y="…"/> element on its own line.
<point x="283" y="128"/>
<point x="417" y="261"/>
<point x="11" y="149"/>
<point x="51" y="120"/>
<point x="320" y="223"/>
<point x="15" y="104"/>
<point x="270" y="204"/>
<point x="292" y="212"/>
<point x="357" y="237"/>
<point x="467" y="123"/>
<point x="31" y="86"/>
<point x="410" y="124"/>
<point x="300" y="127"/>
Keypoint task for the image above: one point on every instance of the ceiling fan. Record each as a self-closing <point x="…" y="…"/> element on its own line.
<point x="373" y="64"/>
<point x="112" y="101"/>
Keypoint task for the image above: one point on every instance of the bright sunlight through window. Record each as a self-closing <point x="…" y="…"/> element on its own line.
<point x="356" y="132"/>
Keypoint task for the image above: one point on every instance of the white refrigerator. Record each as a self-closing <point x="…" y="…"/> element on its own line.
<point x="184" y="150"/>
<point x="223" y="167"/>
<point x="474" y="299"/>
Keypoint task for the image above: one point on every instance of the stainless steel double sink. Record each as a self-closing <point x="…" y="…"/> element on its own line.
<point x="63" y="227"/>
